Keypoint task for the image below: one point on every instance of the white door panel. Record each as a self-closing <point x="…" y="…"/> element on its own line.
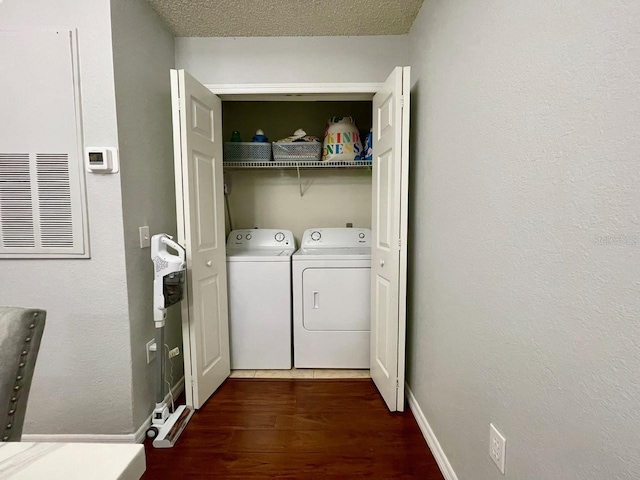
<point x="197" y="116"/>
<point x="389" y="230"/>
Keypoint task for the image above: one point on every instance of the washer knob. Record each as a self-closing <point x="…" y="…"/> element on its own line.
<point x="248" y="237"/>
<point x="239" y="236"/>
<point x="315" y="236"/>
<point x="361" y="234"/>
<point x="279" y="237"/>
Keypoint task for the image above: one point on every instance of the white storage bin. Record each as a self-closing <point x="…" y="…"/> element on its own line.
<point x="297" y="151"/>
<point x="247" y="152"/>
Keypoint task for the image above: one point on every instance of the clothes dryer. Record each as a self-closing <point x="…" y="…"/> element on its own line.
<point x="331" y="298"/>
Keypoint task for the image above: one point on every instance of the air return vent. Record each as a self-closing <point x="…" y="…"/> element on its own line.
<point x="36" y="203"/>
<point x="42" y="193"/>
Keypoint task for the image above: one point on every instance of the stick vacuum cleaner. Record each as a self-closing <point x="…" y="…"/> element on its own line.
<point x="168" y="289"/>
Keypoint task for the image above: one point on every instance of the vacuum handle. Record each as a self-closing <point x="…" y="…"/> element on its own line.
<point x="176" y="246"/>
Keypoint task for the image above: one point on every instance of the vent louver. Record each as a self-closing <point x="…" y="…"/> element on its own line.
<point x="54" y="199"/>
<point x="16" y="202"/>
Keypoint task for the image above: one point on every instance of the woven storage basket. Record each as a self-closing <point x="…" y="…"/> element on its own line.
<point x="297" y="151"/>
<point x="247" y="152"/>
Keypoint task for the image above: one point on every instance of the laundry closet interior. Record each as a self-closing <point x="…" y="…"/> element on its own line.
<point x="270" y="197"/>
<point x="259" y="232"/>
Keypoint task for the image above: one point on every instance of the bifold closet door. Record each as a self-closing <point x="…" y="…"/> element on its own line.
<point x="197" y="129"/>
<point x="389" y="234"/>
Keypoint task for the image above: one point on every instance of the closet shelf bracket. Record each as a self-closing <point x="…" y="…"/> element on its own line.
<point x="299" y="180"/>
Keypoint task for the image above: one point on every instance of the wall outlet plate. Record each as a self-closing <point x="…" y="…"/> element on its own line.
<point x="145" y="238"/>
<point x="151" y="350"/>
<point x="497" y="447"/>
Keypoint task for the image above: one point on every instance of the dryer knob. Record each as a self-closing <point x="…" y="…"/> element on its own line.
<point x="248" y="237"/>
<point x="279" y="237"/>
<point x="315" y="236"/>
<point x="361" y="234"/>
<point x="239" y="236"/>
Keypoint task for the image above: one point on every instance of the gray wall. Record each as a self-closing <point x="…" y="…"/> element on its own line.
<point x="525" y="181"/>
<point x="82" y="381"/>
<point x="143" y="54"/>
<point x="291" y="59"/>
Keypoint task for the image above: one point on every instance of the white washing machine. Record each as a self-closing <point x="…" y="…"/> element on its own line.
<point x="259" y="283"/>
<point x="331" y="298"/>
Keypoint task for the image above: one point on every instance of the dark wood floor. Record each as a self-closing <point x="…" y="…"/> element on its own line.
<point x="295" y="429"/>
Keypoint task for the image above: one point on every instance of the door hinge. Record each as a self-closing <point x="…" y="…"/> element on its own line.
<point x="402" y="101"/>
<point x="399" y="243"/>
<point x="397" y="384"/>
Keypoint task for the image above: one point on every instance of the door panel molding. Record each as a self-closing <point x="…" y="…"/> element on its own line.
<point x="388" y="255"/>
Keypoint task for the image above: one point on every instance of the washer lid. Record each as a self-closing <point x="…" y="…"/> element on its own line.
<point x="259" y="255"/>
<point x="354" y="253"/>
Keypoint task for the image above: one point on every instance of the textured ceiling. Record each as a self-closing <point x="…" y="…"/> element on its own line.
<point x="275" y="18"/>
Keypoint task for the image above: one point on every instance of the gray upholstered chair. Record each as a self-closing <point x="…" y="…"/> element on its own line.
<point x="20" y="334"/>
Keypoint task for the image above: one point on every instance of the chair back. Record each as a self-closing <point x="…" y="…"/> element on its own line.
<point x="20" y="334"/>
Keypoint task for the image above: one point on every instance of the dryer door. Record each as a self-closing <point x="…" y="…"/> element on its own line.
<point x="336" y="299"/>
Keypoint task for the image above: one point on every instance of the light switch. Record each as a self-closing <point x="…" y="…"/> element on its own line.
<point x="145" y="239"/>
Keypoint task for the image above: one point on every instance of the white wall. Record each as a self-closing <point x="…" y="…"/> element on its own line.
<point x="271" y="199"/>
<point x="291" y="59"/>
<point x="143" y="54"/>
<point x="524" y="300"/>
<point x="82" y="382"/>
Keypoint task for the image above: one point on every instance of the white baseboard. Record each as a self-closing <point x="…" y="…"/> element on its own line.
<point x="137" y="437"/>
<point x="141" y="433"/>
<point x="430" y="437"/>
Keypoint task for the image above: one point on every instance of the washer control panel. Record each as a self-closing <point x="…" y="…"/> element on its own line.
<point x="336" y="238"/>
<point x="261" y="238"/>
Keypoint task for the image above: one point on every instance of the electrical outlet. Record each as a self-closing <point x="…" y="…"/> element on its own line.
<point x="174" y="352"/>
<point x="497" y="447"/>
<point x="151" y="350"/>
<point x="145" y="238"/>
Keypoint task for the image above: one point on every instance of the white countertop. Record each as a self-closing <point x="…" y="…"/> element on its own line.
<point x="71" y="461"/>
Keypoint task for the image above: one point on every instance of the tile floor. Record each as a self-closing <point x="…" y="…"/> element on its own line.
<point x="305" y="373"/>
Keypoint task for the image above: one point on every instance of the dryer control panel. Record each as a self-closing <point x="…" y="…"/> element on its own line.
<point x="336" y="238"/>
<point x="261" y="238"/>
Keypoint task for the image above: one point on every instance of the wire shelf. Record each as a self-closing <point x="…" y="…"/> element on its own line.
<point x="297" y="165"/>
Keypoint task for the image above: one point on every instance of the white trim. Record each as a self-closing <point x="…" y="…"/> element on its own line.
<point x="295" y="91"/>
<point x="137" y="437"/>
<point x="181" y="226"/>
<point x="430" y="437"/>
<point x="291" y="88"/>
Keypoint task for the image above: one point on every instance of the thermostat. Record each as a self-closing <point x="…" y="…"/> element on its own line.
<point x="102" y="160"/>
